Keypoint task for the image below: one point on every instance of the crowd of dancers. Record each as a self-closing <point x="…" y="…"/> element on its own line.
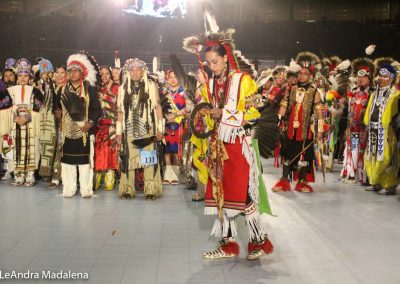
<point x="137" y="129"/>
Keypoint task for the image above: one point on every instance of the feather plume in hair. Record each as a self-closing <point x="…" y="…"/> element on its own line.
<point x="186" y="81"/>
<point x="209" y="17"/>
<point x="308" y="60"/>
<point x="197" y="42"/>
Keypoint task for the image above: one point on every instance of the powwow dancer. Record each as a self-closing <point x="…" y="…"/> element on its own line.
<point x="233" y="174"/>
<point x="25" y="125"/>
<point x="139" y="127"/>
<point x="297" y="151"/>
<point x="175" y="109"/>
<point x="353" y="165"/>
<point x="48" y="129"/>
<point x="382" y="153"/>
<point x="106" y="156"/>
<point x="81" y="110"/>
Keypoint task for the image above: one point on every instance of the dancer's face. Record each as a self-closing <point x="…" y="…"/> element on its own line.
<point x="105" y="75"/>
<point x="292" y="80"/>
<point x="75" y="75"/>
<point x="136" y="74"/>
<point x="384" y="81"/>
<point x="217" y="63"/>
<point x="280" y="79"/>
<point x="363" y="81"/>
<point x="8" y="76"/>
<point x="45" y="75"/>
<point x="23" y="79"/>
<point x="115" y="75"/>
<point x="172" y="80"/>
<point x="304" y="76"/>
<point x="61" y="76"/>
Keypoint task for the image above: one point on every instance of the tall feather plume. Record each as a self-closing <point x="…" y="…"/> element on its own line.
<point x="117" y="59"/>
<point x="209" y="17"/>
<point x="155" y="64"/>
<point x="187" y="82"/>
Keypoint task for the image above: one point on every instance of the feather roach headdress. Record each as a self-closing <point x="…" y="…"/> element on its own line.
<point x="363" y="66"/>
<point x="309" y="60"/>
<point x="213" y="36"/>
<point x="329" y="64"/>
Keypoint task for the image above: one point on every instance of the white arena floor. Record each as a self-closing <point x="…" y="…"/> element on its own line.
<point x="338" y="234"/>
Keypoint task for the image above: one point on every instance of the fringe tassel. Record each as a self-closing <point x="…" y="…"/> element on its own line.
<point x="220" y="230"/>
<point x="250" y="156"/>
<point x="229" y="133"/>
<point x="91" y="151"/>
<point x="256" y="232"/>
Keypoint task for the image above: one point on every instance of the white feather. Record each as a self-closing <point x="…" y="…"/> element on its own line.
<point x="293" y="66"/>
<point x="35" y="68"/>
<point x="262" y="81"/>
<point x="209" y="18"/>
<point x="334" y="83"/>
<point x="155" y="64"/>
<point x="343" y="65"/>
<point x="370" y="49"/>
<point x="396" y="64"/>
<point x="117" y="62"/>
<point x="238" y="53"/>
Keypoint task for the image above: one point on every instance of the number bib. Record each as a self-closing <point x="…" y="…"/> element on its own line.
<point x="148" y="158"/>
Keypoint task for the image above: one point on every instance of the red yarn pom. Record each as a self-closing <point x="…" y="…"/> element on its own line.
<point x="231" y="248"/>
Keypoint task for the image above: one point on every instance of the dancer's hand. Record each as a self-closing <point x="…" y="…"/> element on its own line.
<point x="86" y="126"/>
<point x="170" y="117"/>
<point x="118" y="139"/>
<point x="159" y="136"/>
<point x="216" y="113"/>
<point x="21" y="120"/>
<point x="58" y="113"/>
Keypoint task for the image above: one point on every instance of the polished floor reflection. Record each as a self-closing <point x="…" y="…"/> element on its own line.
<point x="338" y="234"/>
